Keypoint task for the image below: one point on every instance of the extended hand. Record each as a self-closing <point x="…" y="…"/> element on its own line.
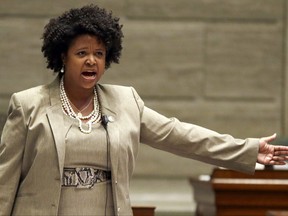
<point x="271" y="154"/>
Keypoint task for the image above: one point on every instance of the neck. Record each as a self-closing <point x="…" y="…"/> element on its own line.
<point x="80" y="97"/>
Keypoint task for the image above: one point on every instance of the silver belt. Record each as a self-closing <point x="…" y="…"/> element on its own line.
<point x="84" y="177"/>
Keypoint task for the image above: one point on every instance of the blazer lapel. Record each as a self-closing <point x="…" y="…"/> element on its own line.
<point x="112" y="127"/>
<point x="55" y="117"/>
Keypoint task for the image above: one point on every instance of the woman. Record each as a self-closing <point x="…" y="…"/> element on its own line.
<point x="69" y="148"/>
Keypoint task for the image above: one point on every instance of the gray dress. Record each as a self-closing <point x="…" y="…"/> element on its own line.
<point x="86" y="150"/>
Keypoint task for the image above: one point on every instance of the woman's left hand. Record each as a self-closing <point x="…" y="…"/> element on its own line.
<point x="271" y="154"/>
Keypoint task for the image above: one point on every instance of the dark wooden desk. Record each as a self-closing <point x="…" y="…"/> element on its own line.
<point x="143" y="211"/>
<point x="238" y="194"/>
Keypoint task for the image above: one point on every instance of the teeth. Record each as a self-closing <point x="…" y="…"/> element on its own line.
<point x="86" y="73"/>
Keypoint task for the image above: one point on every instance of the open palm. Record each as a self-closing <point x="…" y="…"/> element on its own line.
<point x="271" y="154"/>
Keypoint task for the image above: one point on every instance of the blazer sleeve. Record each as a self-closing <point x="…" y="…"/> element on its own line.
<point x="195" y="142"/>
<point x="11" y="152"/>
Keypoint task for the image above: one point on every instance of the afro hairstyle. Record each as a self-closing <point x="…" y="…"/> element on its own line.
<point x="91" y="19"/>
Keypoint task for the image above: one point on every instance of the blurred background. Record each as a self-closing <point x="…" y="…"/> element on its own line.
<point x="221" y="64"/>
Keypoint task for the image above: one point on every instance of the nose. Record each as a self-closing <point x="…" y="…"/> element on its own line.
<point x="91" y="60"/>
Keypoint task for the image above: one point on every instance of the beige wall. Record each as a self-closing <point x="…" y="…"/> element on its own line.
<point x="217" y="63"/>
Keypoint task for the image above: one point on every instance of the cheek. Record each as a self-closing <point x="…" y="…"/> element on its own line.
<point x="74" y="63"/>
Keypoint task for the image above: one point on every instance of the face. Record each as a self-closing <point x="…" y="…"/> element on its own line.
<point x="84" y="62"/>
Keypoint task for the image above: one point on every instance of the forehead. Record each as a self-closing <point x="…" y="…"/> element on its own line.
<point x="86" y="41"/>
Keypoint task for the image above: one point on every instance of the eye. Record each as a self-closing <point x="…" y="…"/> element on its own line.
<point x="99" y="54"/>
<point x="81" y="53"/>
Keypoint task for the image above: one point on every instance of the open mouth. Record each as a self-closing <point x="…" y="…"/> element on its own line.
<point x="88" y="74"/>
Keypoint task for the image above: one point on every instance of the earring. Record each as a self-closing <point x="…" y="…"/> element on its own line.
<point x="62" y="70"/>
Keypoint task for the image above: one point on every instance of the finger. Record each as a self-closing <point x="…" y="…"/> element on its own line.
<point x="277" y="163"/>
<point x="270" y="138"/>
<point x="281" y="148"/>
<point x="279" y="158"/>
<point x="280" y="152"/>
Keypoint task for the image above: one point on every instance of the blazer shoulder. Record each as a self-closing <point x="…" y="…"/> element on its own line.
<point x="117" y="94"/>
<point x="117" y="90"/>
<point x="37" y="90"/>
<point x="32" y="96"/>
<point x="33" y="90"/>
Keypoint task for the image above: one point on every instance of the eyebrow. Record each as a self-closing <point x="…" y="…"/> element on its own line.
<point x="82" y="48"/>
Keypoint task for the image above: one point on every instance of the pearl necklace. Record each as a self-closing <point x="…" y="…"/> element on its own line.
<point x="93" y="117"/>
<point x="80" y="111"/>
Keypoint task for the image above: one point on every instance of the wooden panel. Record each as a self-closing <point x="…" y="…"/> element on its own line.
<point x="21" y="61"/>
<point x="4" y="101"/>
<point x="241" y="194"/>
<point x="161" y="59"/>
<point x="232" y="117"/>
<point x="207" y="9"/>
<point x="153" y="162"/>
<point x="285" y="87"/>
<point x="52" y="8"/>
<point x="2" y="121"/>
<point x="244" y="61"/>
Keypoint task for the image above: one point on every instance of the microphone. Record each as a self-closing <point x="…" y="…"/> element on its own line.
<point x="104" y="121"/>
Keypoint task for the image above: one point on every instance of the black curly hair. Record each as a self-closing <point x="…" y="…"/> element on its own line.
<point x="91" y="19"/>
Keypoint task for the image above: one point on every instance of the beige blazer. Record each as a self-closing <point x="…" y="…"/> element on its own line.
<point x="32" y="147"/>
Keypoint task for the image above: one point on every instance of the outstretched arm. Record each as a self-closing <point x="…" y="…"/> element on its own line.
<point x="271" y="154"/>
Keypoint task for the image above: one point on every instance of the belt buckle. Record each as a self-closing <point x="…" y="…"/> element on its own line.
<point x="86" y="177"/>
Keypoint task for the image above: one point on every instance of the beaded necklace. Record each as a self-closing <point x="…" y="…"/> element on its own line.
<point x="80" y="111"/>
<point x="94" y="116"/>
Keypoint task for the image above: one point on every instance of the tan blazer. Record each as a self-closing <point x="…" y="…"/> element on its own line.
<point x="32" y="147"/>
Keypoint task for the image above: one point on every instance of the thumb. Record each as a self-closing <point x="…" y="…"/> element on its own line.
<point x="269" y="138"/>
